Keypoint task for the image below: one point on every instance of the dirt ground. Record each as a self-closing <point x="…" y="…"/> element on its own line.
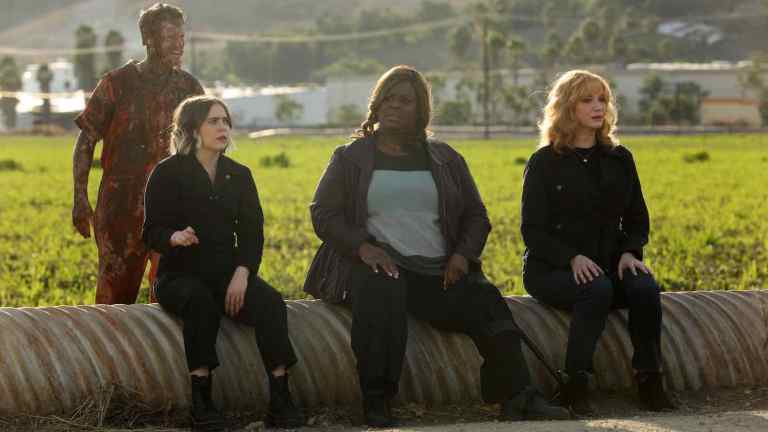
<point x="739" y="410"/>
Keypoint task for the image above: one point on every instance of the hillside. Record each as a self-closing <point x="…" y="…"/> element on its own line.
<point x="51" y="24"/>
<point x="552" y="32"/>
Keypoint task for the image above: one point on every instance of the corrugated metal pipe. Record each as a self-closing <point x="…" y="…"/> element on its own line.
<point x="54" y="358"/>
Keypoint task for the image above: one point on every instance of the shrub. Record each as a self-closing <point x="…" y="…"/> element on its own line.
<point x="280" y="160"/>
<point x="701" y="156"/>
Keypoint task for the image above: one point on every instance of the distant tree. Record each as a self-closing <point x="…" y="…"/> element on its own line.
<point x="44" y="77"/>
<point x="287" y="110"/>
<point x="651" y="89"/>
<point x="515" y="52"/>
<point x="351" y="66"/>
<point x="575" y="49"/>
<point x="549" y="14"/>
<point x="665" y="50"/>
<point x="293" y="63"/>
<point x="85" y="62"/>
<point x="496" y="44"/>
<point x="454" y="113"/>
<point x="618" y="49"/>
<point x="437" y="83"/>
<point x="115" y="43"/>
<point x="251" y="62"/>
<point x="552" y="50"/>
<point x="517" y="101"/>
<point x="348" y="115"/>
<point x="460" y="41"/>
<point x="434" y="10"/>
<point x="751" y="80"/>
<point x="586" y="46"/>
<point x="686" y="103"/>
<point x="662" y="104"/>
<point x="10" y="81"/>
<point x="607" y="13"/>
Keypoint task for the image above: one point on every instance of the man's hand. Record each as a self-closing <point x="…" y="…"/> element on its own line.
<point x="376" y="258"/>
<point x="584" y="269"/>
<point x="456" y="268"/>
<point x="82" y="216"/>
<point x="235" y="297"/>
<point x="628" y="261"/>
<point x="184" y="238"/>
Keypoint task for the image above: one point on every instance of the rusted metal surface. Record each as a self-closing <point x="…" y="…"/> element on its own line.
<point x="54" y="358"/>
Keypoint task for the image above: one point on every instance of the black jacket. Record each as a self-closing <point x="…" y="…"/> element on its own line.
<point x="339" y="213"/>
<point x="566" y="213"/>
<point x="226" y="216"/>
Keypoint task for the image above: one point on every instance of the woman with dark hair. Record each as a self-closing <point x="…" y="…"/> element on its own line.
<point x="403" y="227"/>
<point x="204" y="217"/>
<point x="584" y="224"/>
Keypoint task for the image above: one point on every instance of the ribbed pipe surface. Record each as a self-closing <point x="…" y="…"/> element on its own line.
<point x="54" y="358"/>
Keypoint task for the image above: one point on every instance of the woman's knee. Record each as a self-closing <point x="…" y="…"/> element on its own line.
<point x="641" y="287"/>
<point x="599" y="292"/>
<point x="187" y="296"/>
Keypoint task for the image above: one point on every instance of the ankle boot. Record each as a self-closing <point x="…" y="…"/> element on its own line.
<point x="204" y="415"/>
<point x="650" y="389"/>
<point x="531" y="405"/>
<point x="378" y="411"/>
<point x="574" y="394"/>
<point x="282" y="411"/>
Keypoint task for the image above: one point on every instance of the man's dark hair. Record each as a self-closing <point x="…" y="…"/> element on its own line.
<point x="150" y="19"/>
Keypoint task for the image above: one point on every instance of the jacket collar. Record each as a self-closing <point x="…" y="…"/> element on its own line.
<point x="361" y="150"/>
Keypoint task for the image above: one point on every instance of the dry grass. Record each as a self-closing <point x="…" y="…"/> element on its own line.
<point x="114" y="406"/>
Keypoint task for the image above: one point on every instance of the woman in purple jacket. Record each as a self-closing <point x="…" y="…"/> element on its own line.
<point x="403" y="227"/>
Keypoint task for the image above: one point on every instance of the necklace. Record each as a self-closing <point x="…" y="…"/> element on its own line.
<point x="585" y="155"/>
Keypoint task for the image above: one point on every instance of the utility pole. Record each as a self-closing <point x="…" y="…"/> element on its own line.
<point x="486" y="80"/>
<point x="193" y="55"/>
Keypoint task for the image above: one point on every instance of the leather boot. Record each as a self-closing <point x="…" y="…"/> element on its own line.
<point x="204" y="415"/>
<point x="531" y="405"/>
<point x="283" y="413"/>
<point x="575" y="393"/>
<point x="378" y="411"/>
<point x="650" y="389"/>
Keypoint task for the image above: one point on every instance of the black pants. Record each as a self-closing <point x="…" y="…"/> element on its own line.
<point x="380" y="307"/>
<point x="199" y="303"/>
<point x="590" y="304"/>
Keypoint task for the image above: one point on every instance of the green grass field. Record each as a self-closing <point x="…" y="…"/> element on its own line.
<point x="709" y="217"/>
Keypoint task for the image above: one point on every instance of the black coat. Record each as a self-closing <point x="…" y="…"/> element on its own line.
<point x="565" y="212"/>
<point x="339" y="213"/>
<point x="226" y="216"/>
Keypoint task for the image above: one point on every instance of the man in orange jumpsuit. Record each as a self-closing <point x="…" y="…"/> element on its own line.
<point x="131" y="110"/>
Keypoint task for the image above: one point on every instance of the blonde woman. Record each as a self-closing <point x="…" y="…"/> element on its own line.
<point x="204" y="217"/>
<point x="584" y="224"/>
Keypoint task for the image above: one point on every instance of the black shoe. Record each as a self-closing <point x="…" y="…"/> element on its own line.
<point x="283" y="413"/>
<point x="575" y="394"/>
<point x="650" y="389"/>
<point x="378" y="412"/>
<point x="531" y="405"/>
<point x="204" y="414"/>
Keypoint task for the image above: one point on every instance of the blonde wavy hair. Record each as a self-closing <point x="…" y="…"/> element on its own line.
<point x="386" y="82"/>
<point x="558" y="125"/>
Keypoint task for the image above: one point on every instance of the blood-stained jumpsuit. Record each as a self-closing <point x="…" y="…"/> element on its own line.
<point x="132" y="116"/>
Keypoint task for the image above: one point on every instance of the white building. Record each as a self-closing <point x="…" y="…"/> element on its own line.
<point x="256" y="108"/>
<point x="64" y="98"/>
<point x="720" y="79"/>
